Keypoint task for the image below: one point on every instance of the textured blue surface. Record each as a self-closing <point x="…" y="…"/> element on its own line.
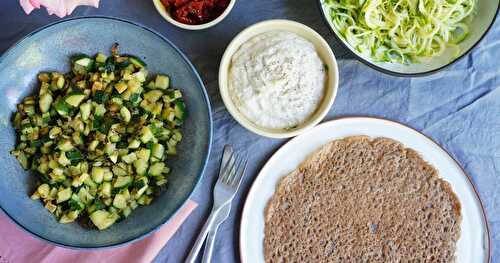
<point x="458" y="107"/>
<point x="49" y="50"/>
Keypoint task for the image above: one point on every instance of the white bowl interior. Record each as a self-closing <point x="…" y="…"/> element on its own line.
<point x="483" y="19"/>
<point x="325" y="53"/>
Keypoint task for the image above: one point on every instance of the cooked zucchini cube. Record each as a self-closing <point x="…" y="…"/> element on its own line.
<point x="140" y="165"/>
<point x="74" y="99"/>
<point x="119" y="201"/>
<point x="162" y="82"/>
<point x="156" y="169"/>
<point x="105" y="189"/>
<point x="146" y="135"/>
<point x="123" y="181"/>
<point x="45" y="102"/>
<point x="102" y="219"/>
<point x="98" y="174"/>
<point x="153" y="95"/>
<point x="158" y="151"/>
<point x="64" y="195"/>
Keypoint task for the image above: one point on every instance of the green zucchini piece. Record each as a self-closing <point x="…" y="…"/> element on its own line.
<point x="125" y="113"/>
<point x="144" y="200"/>
<point x="180" y="110"/>
<point x="85" y="111"/>
<point x="143" y="182"/>
<point x="122" y="181"/>
<point x="101" y="58"/>
<point x="98" y="174"/>
<point x="65" y="145"/>
<point x="93" y="145"/>
<point x="121" y="87"/>
<point x="69" y="217"/>
<point x="75" y="203"/>
<point x="106" y="189"/>
<point x="85" y="196"/>
<point x="88" y="181"/>
<point x="146" y="135"/>
<point x="136" y="61"/>
<point x="153" y="95"/>
<point x="110" y="148"/>
<point x="119" y="171"/>
<point x="129" y="158"/>
<point x="99" y="110"/>
<point x="140" y="76"/>
<point x="62" y="108"/>
<point x="45" y="102"/>
<point x="162" y="82"/>
<point x="126" y="211"/>
<point x="158" y="150"/>
<point x="119" y="201"/>
<point x="140" y="165"/>
<point x="84" y="59"/>
<point x="51" y="207"/>
<point x="63" y="160"/>
<point x="102" y="219"/>
<point x="21" y="157"/>
<point x="74" y="99"/>
<point x="108" y="175"/>
<point x="43" y="190"/>
<point x="64" y="195"/>
<point x="114" y="157"/>
<point x="143" y="154"/>
<point x="156" y="169"/>
<point x="134" y="144"/>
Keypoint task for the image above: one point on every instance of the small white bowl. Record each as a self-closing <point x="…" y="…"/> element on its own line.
<point x="166" y="15"/>
<point x="323" y="50"/>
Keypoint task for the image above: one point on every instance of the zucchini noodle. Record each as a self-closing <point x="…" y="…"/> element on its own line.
<point x="401" y="31"/>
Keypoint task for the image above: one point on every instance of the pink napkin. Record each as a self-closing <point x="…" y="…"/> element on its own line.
<point x="19" y="246"/>
<point x="60" y="8"/>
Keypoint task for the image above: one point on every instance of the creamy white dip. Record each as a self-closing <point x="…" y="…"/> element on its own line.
<point x="277" y="80"/>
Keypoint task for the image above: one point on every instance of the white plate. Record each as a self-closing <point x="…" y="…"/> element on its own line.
<point x="473" y="245"/>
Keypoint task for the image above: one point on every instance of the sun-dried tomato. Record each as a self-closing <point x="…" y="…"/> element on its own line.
<point x="195" y="12"/>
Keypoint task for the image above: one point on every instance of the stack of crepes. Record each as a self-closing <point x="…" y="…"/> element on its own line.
<point x="59" y="8"/>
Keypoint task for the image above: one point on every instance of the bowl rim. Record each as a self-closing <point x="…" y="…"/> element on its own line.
<point x="395" y="73"/>
<point x="208" y="146"/>
<point x="166" y="16"/>
<point x="323" y="108"/>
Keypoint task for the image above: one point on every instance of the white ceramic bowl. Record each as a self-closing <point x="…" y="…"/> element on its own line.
<point x="166" y="15"/>
<point x="481" y="23"/>
<point x="323" y="50"/>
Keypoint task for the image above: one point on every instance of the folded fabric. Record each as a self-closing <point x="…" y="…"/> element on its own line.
<point x="60" y="8"/>
<point x="19" y="246"/>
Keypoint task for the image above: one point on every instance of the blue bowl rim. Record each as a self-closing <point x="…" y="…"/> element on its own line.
<point x="210" y="134"/>
<point x="399" y="74"/>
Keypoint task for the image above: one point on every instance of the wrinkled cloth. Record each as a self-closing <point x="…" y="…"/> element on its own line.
<point x="60" y="8"/>
<point x="19" y="246"/>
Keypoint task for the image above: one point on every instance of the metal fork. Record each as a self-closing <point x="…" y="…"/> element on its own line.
<point x="232" y="169"/>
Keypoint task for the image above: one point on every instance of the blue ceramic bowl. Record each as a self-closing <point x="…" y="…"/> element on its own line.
<point x="49" y="49"/>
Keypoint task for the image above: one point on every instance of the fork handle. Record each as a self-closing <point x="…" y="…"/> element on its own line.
<point x="201" y="238"/>
<point x="209" y="246"/>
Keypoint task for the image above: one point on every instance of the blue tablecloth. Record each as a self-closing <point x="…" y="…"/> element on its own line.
<point x="458" y="107"/>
